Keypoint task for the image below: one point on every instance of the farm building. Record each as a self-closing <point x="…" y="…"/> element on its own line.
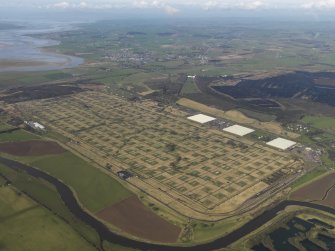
<point x="124" y="175"/>
<point x="238" y="130"/>
<point x="201" y="118"/>
<point x="281" y="143"/>
<point x="35" y="125"/>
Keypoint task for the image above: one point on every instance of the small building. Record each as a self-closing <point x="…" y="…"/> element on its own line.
<point x="124" y="175"/>
<point x="35" y="125"/>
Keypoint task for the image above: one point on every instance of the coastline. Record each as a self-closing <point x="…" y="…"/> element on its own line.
<point x="27" y="53"/>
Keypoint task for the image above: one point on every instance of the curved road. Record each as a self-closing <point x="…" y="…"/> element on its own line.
<point x="105" y="234"/>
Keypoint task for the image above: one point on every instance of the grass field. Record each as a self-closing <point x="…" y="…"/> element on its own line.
<point x="175" y="160"/>
<point x="207" y="231"/>
<point x="190" y="87"/>
<point x="46" y="195"/>
<point x="4" y="126"/>
<point x="94" y="189"/>
<point x="25" y="225"/>
<point x="10" y="79"/>
<point x="19" y="135"/>
<point x="321" y="122"/>
<point x="308" y="177"/>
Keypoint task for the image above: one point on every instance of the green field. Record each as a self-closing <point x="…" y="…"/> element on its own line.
<point x="308" y="177"/>
<point x="94" y="189"/>
<point x="326" y="123"/>
<point x="46" y="195"/>
<point x="11" y="79"/>
<point x="19" y="135"/>
<point x="25" y="225"/>
<point x="4" y="126"/>
<point x="189" y="87"/>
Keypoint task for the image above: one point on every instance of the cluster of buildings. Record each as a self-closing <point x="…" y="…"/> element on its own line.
<point x="280" y="143"/>
<point x="298" y="128"/>
<point x="127" y="55"/>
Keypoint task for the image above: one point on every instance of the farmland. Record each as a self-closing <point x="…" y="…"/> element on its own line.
<point x="320" y="191"/>
<point x="23" y="221"/>
<point x="131" y="216"/>
<point x="31" y="148"/>
<point x="185" y="166"/>
<point x="19" y="135"/>
<point x="95" y="189"/>
<point x="51" y="157"/>
<point x="326" y="123"/>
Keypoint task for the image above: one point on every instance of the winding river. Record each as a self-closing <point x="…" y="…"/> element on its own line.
<point x="105" y="234"/>
<point x="19" y="51"/>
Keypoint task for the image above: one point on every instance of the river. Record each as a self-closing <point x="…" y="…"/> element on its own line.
<point x="19" y="51"/>
<point x="106" y="234"/>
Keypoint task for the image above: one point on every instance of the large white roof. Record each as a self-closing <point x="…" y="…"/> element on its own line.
<point x="38" y="125"/>
<point x="281" y="143"/>
<point x="201" y="118"/>
<point x="238" y="130"/>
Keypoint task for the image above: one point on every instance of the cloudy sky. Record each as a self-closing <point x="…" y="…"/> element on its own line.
<point x="171" y="5"/>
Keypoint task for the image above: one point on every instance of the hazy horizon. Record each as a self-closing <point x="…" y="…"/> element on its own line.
<point x="171" y="9"/>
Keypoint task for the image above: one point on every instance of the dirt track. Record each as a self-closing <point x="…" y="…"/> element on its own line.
<point x="132" y="217"/>
<point x="31" y="148"/>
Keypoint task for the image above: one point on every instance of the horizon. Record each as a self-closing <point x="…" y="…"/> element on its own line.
<point x="72" y="15"/>
<point x="169" y="9"/>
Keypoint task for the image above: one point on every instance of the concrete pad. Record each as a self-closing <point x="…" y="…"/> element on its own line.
<point x="238" y="130"/>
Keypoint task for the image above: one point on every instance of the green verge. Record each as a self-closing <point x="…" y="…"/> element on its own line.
<point x="25" y="225"/>
<point x="308" y="177"/>
<point x="94" y="189"/>
<point x="19" y="135"/>
<point x="209" y="231"/>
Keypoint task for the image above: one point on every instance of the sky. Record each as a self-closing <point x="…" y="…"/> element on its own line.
<point x="171" y="7"/>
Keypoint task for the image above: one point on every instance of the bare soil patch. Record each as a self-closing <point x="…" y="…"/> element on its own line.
<point x="31" y="148"/>
<point x="131" y="216"/>
<point x="330" y="198"/>
<point x="321" y="191"/>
